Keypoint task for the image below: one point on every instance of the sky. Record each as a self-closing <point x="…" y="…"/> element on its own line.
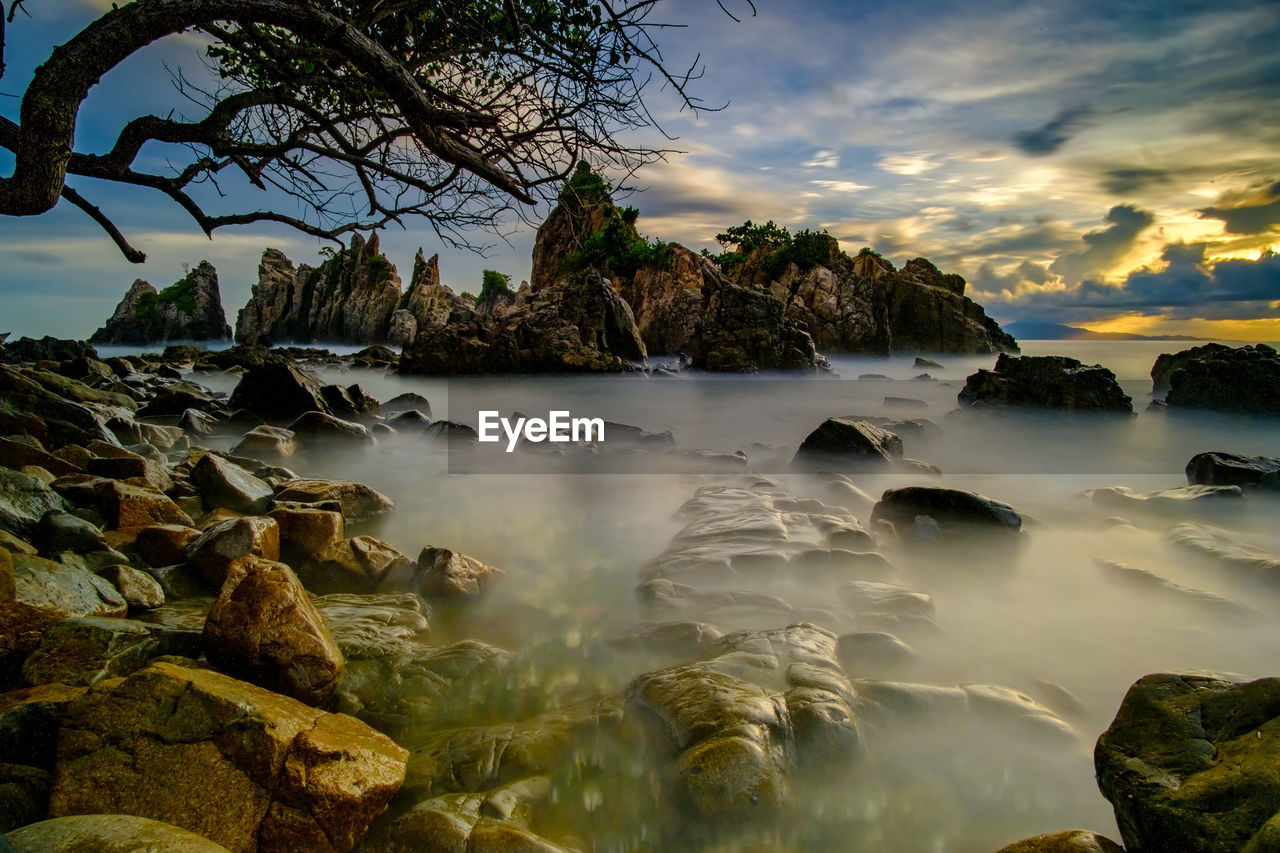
<point x="1111" y="164"/>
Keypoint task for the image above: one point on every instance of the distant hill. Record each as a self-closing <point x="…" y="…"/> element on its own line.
<point x="1058" y="332"/>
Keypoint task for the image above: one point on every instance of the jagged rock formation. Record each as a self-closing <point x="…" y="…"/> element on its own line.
<point x="188" y="310"/>
<point x="427" y="305"/>
<point x="842" y="303"/>
<point x="349" y="298"/>
<point x="1045" y="382"/>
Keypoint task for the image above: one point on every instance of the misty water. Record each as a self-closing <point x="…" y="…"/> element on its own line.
<point x="576" y="545"/>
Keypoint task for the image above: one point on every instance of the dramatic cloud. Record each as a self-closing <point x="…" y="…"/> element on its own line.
<point x="1105" y="248"/>
<point x="1054" y="134"/>
<point x="1247" y="218"/>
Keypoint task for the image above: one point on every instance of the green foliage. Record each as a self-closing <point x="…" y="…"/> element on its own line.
<point x="495" y="284"/>
<point x="777" y="245"/>
<point x="867" y="250"/>
<point x="180" y="294"/>
<point x="585" y="184"/>
<point x="380" y="268"/>
<point x="620" y="249"/>
<point x="467" y="294"/>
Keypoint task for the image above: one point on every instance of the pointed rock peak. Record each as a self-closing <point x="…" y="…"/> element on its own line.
<point x="138" y="288"/>
<point x="426" y="272"/>
<point x="585" y="207"/>
<point x="373" y="246"/>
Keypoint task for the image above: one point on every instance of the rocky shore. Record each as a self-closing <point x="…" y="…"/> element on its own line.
<point x="208" y="649"/>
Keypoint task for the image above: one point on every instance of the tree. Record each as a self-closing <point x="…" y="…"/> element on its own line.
<point x="493" y="285"/>
<point x="360" y="113"/>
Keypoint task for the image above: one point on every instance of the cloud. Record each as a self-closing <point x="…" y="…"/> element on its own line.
<point x="1052" y="135"/>
<point x="1106" y="248"/>
<point x="907" y="163"/>
<point x="841" y="186"/>
<point x="823" y="160"/>
<point x="1249" y="218"/>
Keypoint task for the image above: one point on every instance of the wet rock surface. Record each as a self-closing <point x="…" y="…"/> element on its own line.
<point x="1245" y="380"/>
<point x="1045" y="382"/>
<point x="1231" y="469"/>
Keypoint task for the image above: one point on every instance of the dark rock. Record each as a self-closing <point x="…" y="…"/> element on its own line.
<point x="351" y="401"/>
<point x="24" y="501"/>
<point x="83" y="651"/>
<point x="406" y="402"/>
<point x="1244" y="380"/>
<point x="450" y="431"/>
<point x="1045" y="382"/>
<point x="28" y="408"/>
<point x="264" y="628"/>
<point x="229" y="542"/>
<point x="232" y="762"/>
<point x="164" y="544"/>
<point x="319" y="428"/>
<point x="174" y="399"/>
<point x="225" y="484"/>
<point x="1167" y="363"/>
<point x="24" y="797"/>
<point x="45" y="349"/>
<point x="926" y="363"/>
<point x="952" y="509"/>
<point x="279" y="391"/>
<point x="136" y="469"/>
<point x="843" y="443"/>
<point x="23" y="450"/>
<point x="129" y="508"/>
<point x="190" y="310"/>
<point x="1229" y="469"/>
<point x="197" y="422"/>
<point x="1187" y="764"/>
<point x="62" y="531"/>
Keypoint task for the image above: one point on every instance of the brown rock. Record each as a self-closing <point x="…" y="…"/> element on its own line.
<point x="244" y="767"/>
<point x="303" y="532"/>
<point x="320" y="428"/>
<point x="137" y="469"/>
<point x="225" y="484"/>
<point x="267" y="441"/>
<point x="130" y="508"/>
<point x="352" y="565"/>
<point x="227" y="542"/>
<point x="447" y="574"/>
<point x="15" y="453"/>
<point x="108" y="834"/>
<point x="85" y="650"/>
<point x="29" y="720"/>
<point x="1071" y="841"/>
<point x="139" y="590"/>
<point x="265" y="628"/>
<point x="165" y="544"/>
<point x="358" y="501"/>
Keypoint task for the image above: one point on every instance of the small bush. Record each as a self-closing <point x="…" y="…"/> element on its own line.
<point x="495" y="284"/>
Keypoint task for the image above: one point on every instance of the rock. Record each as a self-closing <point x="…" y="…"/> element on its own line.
<point x="1229" y="469"/>
<point x="188" y="310"/>
<point x="24" y="796"/>
<point x="348" y="299"/>
<point x="321" y="429"/>
<point x="132" y="468"/>
<point x="197" y="422"/>
<point x="844" y="443"/>
<point x="1179" y="499"/>
<point x="869" y="653"/>
<point x="1186" y="763"/>
<point x="49" y="416"/>
<point x="44" y="349"/>
<point x="409" y="420"/>
<point x="24" y="501"/>
<point x="353" y="565"/>
<point x="408" y="401"/>
<point x="905" y="403"/>
<point x="1010" y="712"/>
<point x="457" y="822"/>
<point x="351" y="401"/>
<point x="304" y="532"/>
<point x="447" y="574"/>
<point x="225" y="484"/>
<point x="1071" y="841"/>
<point x="62" y="531"/>
<point x="264" y="628"/>
<point x="174" y="399"/>
<point x="29" y="721"/>
<point x="23" y="450"/>
<point x="164" y="544"/>
<point x="129" y="508"/>
<point x="266" y="441"/>
<point x="358" y="500"/>
<point x="1223" y="548"/>
<point x="450" y="431"/>
<point x="228" y="542"/>
<point x="139" y="590"/>
<point x="82" y="651"/>
<point x="108" y="834"/>
<point x="278" y="391"/>
<point x="1045" y="382"/>
<point x="1166" y="363"/>
<point x="953" y="510"/>
<point x="1155" y="583"/>
<point x="926" y="363"/>
<point x="234" y="763"/>
<point x="1244" y="380"/>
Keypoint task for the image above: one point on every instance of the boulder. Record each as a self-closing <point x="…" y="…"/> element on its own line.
<point x="20" y="451"/>
<point x="278" y="391"/>
<point x="44" y="349"/>
<point x="164" y="544"/>
<point x="188" y="310"/>
<point x="234" y="763"/>
<point x="844" y="443"/>
<point x="24" y="797"/>
<point x="84" y="650"/>
<point x="353" y="565"/>
<point x="228" y="542"/>
<point x="1045" y="382"/>
<point x="358" y="501"/>
<point x="318" y="428"/>
<point x="197" y="422"/>
<point x="1167" y="363"/>
<point x="408" y="401"/>
<point x="225" y="484"/>
<point x="29" y="721"/>
<point x="952" y="509"/>
<point x="264" y="628"/>
<point x="102" y="833"/>
<point x="1244" y="380"/>
<point x="139" y="590"/>
<point x="1188" y="764"/>
<point x="128" y="508"/>
<point x="1071" y="841"/>
<point x="489" y="821"/>
<point x="443" y="573"/>
<point x="1216" y="468"/>
<point x="133" y="468"/>
<point x="24" y="501"/>
<point x="266" y="441"/>
<point x="173" y="399"/>
<point x="304" y="532"/>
